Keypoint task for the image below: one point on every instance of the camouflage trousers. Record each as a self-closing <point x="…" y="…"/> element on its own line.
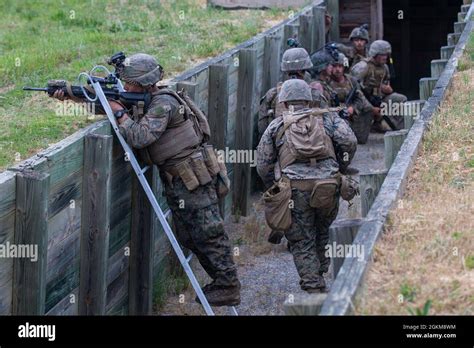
<point x="308" y="237"/>
<point x="200" y="228"/>
<point x="397" y="120"/>
<point x="361" y="123"/>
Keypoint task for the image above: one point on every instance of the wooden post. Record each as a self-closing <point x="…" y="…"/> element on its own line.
<point x="453" y="39"/>
<point x="189" y="87"/>
<point x="305" y="31"/>
<point x="447" y="51"/>
<point x="304" y="304"/>
<point x="141" y="250"/>
<point x="244" y="128"/>
<point x="218" y="110"/>
<point x="370" y="185"/>
<point x="437" y="67"/>
<point x="393" y="142"/>
<point x="412" y="110"/>
<point x="271" y="63"/>
<point x="459" y="27"/>
<point x="95" y="224"/>
<point x="319" y="28"/>
<point x="31" y="231"/>
<point x="427" y="84"/>
<point x="341" y="233"/>
<point x="333" y="9"/>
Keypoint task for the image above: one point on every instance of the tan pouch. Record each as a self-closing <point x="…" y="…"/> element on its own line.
<point x="324" y="193"/>
<point x="200" y="169"/>
<point x="277" y="207"/>
<point x="210" y="159"/>
<point x="349" y="188"/>
<point x="187" y="175"/>
<point x="223" y="181"/>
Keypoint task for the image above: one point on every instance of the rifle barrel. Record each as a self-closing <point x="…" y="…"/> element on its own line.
<point x="35" y="89"/>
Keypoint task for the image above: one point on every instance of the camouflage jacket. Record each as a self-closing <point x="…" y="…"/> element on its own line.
<point x="371" y="76"/>
<point x="141" y="131"/>
<point x="360" y="102"/>
<point x="352" y="55"/>
<point x="271" y="109"/>
<point x="344" y="141"/>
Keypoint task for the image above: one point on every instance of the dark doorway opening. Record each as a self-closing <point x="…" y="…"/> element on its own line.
<point x="417" y="38"/>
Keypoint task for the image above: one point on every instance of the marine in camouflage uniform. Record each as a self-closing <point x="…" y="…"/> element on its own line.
<point x="295" y="64"/>
<point x="321" y="74"/>
<point x="358" y="50"/>
<point x="309" y="231"/>
<point x="373" y="75"/>
<point x="164" y="134"/>
<point x="360" y="111"/>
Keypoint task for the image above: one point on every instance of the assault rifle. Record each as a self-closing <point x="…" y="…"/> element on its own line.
<point x="111" y="85"/>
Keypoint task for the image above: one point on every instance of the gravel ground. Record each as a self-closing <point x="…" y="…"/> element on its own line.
<point x="267" y="272"/>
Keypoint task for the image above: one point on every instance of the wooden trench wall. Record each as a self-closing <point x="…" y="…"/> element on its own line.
<point x="100" y="248"/>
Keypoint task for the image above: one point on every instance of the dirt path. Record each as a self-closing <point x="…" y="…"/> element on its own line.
<point x="267" y="272"/>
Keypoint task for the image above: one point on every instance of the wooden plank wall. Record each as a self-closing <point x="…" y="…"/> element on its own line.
<point x="64" y="163"/>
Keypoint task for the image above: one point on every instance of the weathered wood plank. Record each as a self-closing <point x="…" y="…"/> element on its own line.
<point x="319" y="28"/>
<point x="67" y="306"/>
<point x="257" y="4"/>
<point x="411" y="112"/>
<point x="304" y="304"/>
<point x="141" y="250"/>
<point x="333" y="9"/>
<point x="271" y="64"/>
<point x="31" y="229"/>
<point x="244" y="134"/>
<point x="64" y="192"/>
<point x="393" y="142"/>
<point x="342" y="233"/>
<point x="447" y="51"/>
<point x="191" y="88"/>
<point x="437" y="67"/>
<point x="369" y="188"/>
<point x="305" y="31"/>
<point x="95" y="224"/>
<point x="427" y="85"/>
<point x="218" y="110"/>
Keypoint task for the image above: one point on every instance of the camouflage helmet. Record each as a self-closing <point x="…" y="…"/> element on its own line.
<point x="141" y="69"/>
<point x="321" y="60"/>
<point x="341" y="60"/>
<point x="360" y="33"/>
<point x="296" y="59"/>
<point x="380" y="47"/>
<point x="295" y="90"/>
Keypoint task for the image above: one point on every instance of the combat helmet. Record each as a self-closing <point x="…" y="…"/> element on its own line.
<point x="341" y="60"/>
<point x="141" y="69"/>
<point x="296" y="59"/>
<point x="380" y="47"/>
<point x="361" y="32"/>
<point x="321" y="60"/>
<point x="295" y="90"/>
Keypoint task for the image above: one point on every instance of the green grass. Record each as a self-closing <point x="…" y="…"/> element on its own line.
<point x="42" y="40"/>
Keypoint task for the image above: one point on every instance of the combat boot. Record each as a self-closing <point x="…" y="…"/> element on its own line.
<point x="219" y="296"/>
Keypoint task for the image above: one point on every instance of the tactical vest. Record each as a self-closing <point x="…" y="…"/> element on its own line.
<point x="343" y="89"/>
<point x="302" y="138"/>
<point x="374" y="78"/>
<point x="186" y="131"/>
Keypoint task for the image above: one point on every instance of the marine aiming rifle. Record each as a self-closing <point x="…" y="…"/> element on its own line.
<point x="111" y="85"/>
